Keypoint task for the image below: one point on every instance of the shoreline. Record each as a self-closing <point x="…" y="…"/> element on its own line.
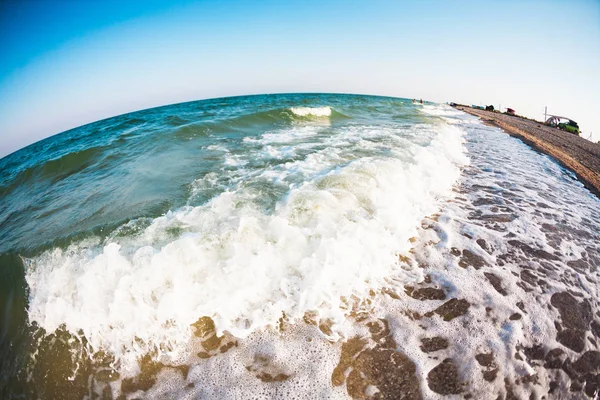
<point x="573" y="152"/>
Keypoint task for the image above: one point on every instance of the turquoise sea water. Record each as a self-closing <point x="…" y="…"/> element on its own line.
<point x="116" y="237"/>
<point x="143" y="164"/>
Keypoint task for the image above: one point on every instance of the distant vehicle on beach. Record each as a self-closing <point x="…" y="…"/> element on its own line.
<point x="510" y="111"/>
<point x="570" y="127"/>
<point x="563" y="123"/>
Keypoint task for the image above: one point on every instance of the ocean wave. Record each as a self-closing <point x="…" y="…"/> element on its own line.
<point x="286" y="115"/>
<point x="56" y="169"/>
<point x="191" y="131"/>
<point x="311" y="111"/>
<point x="249" y="122"/>
<point x="333" y="236"/>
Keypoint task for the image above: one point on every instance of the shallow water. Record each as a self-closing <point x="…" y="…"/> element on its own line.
<point x="269" y="246"/>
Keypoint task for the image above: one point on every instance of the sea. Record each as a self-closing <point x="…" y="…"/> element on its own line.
<point x="296" y="246"/>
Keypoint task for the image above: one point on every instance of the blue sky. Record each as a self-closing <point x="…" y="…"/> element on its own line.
<point x="67" y="63"/>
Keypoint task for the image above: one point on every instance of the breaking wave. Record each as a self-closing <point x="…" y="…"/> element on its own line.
<point x="337" y="233"/>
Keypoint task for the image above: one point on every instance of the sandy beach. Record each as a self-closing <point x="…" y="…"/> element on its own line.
<point x="576" y="153"/>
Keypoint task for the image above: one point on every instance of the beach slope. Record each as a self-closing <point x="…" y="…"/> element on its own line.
<point x="576" y="153"/>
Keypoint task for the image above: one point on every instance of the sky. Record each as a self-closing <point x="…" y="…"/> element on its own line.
<point x="67" y="63"/>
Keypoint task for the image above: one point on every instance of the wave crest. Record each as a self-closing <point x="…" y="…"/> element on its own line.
<point x="311" y="111"/>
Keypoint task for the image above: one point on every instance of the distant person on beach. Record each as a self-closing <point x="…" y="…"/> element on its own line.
<point x="421" y="101"/>
<point x="414" y="101"/>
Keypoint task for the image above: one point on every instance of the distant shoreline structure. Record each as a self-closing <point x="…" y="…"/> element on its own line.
<point x="575" y="153"/>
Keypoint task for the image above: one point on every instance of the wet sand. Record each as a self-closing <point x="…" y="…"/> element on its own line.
<point x="576" y="153"/>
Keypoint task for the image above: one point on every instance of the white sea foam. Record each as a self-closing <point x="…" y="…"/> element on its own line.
<point x="337" y="233"/>
<point x="352" y="200"/>
<point x="441" y="111"/>
<point x="487" y="327"/>
<point x="314" y="111"/>
<point x="294" y="135"/>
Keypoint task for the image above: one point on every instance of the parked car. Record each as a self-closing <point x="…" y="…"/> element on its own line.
<point x="559" y="122"/>
<point x="570" y="127"/>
